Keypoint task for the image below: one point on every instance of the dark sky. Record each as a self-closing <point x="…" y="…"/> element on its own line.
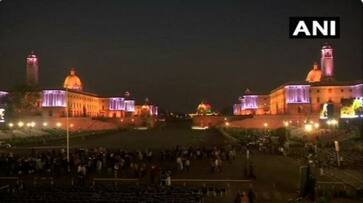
<point x="175" y="52"/>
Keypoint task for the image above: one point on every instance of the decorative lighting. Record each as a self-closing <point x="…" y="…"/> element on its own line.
<point x="226" y="124"/>
<point x="45" y="124"/>
<point x="71" y="125"/>
<point x="20" y="124"/>
<point x="265" y="125"/>
<point x="286" y="124"/>
<point x="308" y="127"/>
<point x="332" y="122"/>
<point x="316" y="125"/>
<point x="58" y="124"/>
<point x="33" y="124"/>
<point x="11" y="125"/>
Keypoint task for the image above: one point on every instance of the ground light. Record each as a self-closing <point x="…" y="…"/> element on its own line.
<point x="332" y="122"/>
<point x="308" y="127"/>
<point x="286" y="124"/>
<point x="20" y="124"/>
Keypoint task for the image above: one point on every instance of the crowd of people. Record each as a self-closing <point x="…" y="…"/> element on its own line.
<point x="155" y="166"/>
<point x="118" y="162"/>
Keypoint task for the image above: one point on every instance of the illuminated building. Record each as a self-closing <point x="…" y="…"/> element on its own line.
<point x="85" y="104"/>
<point x="32" y="70"/>
<point x="252" y="104"/>
<point x="2" y="103"/>
<point x="147" y="109"/>
<point x="56" y="102"/>
<point x="327" y="62"/>
<point x="315" y="74"/>
<point x="306" y="97"/>
<point x="204" y="109"/>
<point x="72" y="81"/>
<point x="80" y="104"/>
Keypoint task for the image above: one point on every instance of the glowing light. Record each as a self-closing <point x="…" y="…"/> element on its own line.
<point x="297" y="94"/>
<point x="286" y="123"/>
<point x="20" y="124"/>
<point x="332" y="122"/>
<point x="226" y="124"/>
<point x="53" y="98"/>
<point x="265" y="125"/>
<point x="45" y="124"/>
<point x="200" y="127"/>
<point x="11" y="125"/>
<point x="58" y="124"/>
<point x="353" y="110"/>
<point x="130" y="105"/>
<point x="2" y="115"/>
<point x="117" y="104"/>
<point x="32" y="124"/>
<point x="3" y="93"/>
<point x="71" y="125"/>
<point x="308" y="127"/>
<point x="316" y="125"/>
<point x="327" y="62"/>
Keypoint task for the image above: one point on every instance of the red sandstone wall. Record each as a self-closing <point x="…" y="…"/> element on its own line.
<point x="273" y="121"/>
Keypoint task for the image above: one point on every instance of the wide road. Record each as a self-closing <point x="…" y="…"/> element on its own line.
<point x="165" y="136"/>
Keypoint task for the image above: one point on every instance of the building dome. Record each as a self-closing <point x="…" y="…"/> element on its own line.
<point x="72" y="81"/>
<point x="315" y="74"/>
<point x="204" y="108"/>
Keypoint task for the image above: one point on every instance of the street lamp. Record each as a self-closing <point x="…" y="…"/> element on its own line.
<point x="308" y="127"/>
<point x="286" y="124"/>
<point x="58" y="124"/>
<point x="20" y="124"/>
<point x="45" y="124"/>
<point x="11" y="125"/>
<point x="67" y="125"/>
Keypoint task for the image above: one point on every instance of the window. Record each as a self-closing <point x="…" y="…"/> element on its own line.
<point x="317" y="100"/>
<point x="341" y="90"/>
<point x="317" y="91"/>
<point x="329" y="90"/>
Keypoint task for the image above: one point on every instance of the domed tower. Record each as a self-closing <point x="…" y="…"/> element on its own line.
<point x="327" y="62"/>
<point x="315" y="74"/>
<point x="72" y="81"/>
<point x="32" y="70"/>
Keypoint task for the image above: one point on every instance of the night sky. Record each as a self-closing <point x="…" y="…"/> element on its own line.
<point x="175" y="52"/>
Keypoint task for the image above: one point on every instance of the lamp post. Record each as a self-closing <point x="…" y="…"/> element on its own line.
<point x="67" y="125"/>
<point x="337" y="149"/>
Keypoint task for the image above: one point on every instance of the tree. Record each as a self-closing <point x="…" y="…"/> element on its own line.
<point x="23" y="100"/>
